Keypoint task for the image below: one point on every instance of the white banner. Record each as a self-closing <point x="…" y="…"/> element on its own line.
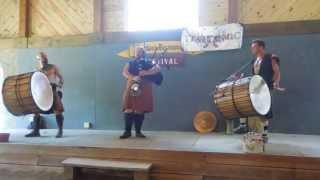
<point x="212" y="38"/>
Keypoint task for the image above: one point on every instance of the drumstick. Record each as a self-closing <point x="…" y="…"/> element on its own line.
<point x="280" y="89"/>
<point x="277" y="87"/>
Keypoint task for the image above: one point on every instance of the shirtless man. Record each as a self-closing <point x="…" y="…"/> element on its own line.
<point x="56" y="81"/>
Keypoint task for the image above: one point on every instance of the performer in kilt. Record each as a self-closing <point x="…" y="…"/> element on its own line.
<point x="56" y="80"/>
<point x="137" y="96"/>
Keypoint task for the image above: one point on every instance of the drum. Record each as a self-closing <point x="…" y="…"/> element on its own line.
<point x="27" y="93"/>
<point x="243" y="97"/>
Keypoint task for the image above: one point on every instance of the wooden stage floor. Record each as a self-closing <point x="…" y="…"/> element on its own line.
<point x="279" y="144"/>
<point x="174" y="155"/>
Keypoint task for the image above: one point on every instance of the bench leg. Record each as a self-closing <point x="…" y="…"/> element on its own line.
<point x="68" y="173"/>
<point x="141" y="176"/>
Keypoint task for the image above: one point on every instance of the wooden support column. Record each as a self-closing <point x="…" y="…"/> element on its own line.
<point x="233" y="15"/>
<point x="24" y="18"/>
<point x="97" y="17"/>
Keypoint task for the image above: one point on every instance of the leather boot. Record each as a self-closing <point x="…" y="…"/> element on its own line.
<point x="128" y="118"/>
<point x="59" y="119"/>
<point x="138" y="121"/>
<point x="36" y="127"/>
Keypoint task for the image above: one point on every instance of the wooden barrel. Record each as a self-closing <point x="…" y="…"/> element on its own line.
<point x="27" y="93"/>
<point x="243" y="97"/>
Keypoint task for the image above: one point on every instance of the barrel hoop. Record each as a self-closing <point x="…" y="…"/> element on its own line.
<point x="233" y="100"/>
<point x="251" y="104"/>
<point x="18" y="95"/>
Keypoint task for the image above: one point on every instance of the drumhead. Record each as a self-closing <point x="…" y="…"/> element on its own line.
<point x="41" y="91"/>
<point x="238" y="82"/>
<point x="260" y="95"/>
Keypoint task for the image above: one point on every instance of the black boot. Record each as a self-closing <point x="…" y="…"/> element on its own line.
<point x="59" y="119"/>
<point x="265" y="132"/>
<point x="265" y="138"/>
<point x="138" y="121"/>
<point x="36" y="127"/>
<point x="128" y="118"/>
<point x="241" y="130"/>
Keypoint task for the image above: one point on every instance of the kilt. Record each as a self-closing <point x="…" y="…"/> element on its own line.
<point x="142" y="103"/>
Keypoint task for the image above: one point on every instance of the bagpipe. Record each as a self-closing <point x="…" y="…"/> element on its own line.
<point x="136" y="66"/>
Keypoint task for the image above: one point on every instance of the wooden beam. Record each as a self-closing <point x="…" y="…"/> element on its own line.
<point x="282" y="28"/>
<point x="24" y="16"/>
<point x="64" y="41"/>
<point x="97" y="16"/>
<point x="18" y="42"/>
<point x="233" y="15"/>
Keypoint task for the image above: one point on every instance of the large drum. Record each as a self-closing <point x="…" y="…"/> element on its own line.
<point x="27" y="93"/>
<point x="243" y="97"/>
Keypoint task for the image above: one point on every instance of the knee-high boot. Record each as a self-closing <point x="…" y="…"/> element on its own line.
<point x="59" y="119"/>
<point x="138" y="122"/>
<point x="36" y="127"/>
<point x="128" y="120"/>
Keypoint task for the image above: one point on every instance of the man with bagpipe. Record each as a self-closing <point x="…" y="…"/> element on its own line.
<point x="137" y="96"/>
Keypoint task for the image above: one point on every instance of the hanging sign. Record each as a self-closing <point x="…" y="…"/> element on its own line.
<point x="163" y="53"/>
<point x="212" y="38"/>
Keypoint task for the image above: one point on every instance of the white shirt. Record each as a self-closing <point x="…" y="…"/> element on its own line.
<point x="257" y="65"/>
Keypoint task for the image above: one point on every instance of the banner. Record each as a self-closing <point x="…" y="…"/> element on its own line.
<point x="212" y="38"/>
<point x="163" y="53"/>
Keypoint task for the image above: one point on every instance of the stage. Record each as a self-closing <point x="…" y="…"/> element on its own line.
<point x="279" y="144"/>
<point x="174" y="155"/>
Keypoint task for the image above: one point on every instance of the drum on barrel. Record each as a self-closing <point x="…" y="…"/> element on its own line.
<point x="27" y="93"/>
<point x="243" y="97"/>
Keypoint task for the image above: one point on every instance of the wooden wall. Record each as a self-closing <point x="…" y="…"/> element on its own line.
<point x="265" y="11"/>
<point x="115" y="15"/>
<point x="9" y="18"/>
<point x="213" y="12"/>
<point x="59" y="19"/>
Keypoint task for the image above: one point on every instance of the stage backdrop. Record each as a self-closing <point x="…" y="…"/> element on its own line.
<point x="94" y="84"/>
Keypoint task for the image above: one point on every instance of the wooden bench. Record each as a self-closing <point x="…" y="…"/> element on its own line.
<point x="140" y="170"/>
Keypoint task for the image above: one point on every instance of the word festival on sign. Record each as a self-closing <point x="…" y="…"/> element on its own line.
<point x="172" y="61"/>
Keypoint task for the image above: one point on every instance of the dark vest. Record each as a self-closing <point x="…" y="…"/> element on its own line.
<point x="135" y="66"/>
<point x="266" y="70"/>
